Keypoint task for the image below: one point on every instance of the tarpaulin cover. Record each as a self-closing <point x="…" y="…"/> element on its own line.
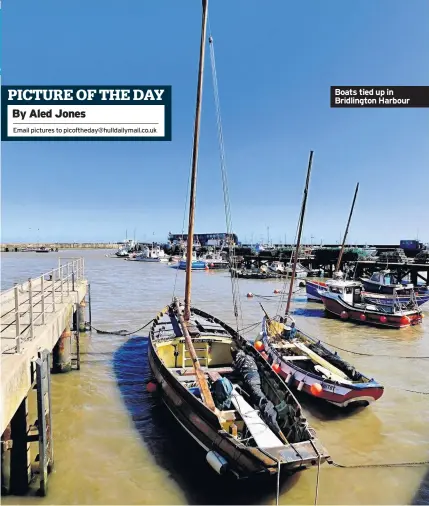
<point x="246" y="365"/>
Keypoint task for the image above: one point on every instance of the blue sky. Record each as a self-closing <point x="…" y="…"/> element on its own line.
<point x="275" y="62"/>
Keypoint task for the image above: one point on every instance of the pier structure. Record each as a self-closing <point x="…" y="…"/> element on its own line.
<point x="36" y="339"/>
<point x="414" y="270"/>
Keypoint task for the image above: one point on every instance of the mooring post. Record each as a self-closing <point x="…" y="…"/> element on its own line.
<point x="89" y="305"/>
<point x="61" y="354"/>
<point x="6" y="446"/>
<point x="81" y="316"/>
<point x="17" y="320"/>
<point x="20" y="468"/>
<point x="77" y="334"/>
<point x="44" y="420"/>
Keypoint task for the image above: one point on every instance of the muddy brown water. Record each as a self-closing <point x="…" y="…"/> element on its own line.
<point x="117" y="444"/>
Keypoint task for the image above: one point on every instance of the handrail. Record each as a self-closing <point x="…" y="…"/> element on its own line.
<point x="26" y="305"/>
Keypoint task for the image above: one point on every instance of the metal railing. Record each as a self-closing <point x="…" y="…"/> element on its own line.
<point x="27" y="305"/>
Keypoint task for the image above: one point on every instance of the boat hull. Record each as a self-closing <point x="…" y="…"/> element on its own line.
<point x="346" y="312"/>
<point x="312" y="289"/>
<point x="147" y="259"/>
<point x="195" y="266"/>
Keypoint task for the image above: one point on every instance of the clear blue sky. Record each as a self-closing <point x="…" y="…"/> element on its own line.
<point x="276" y="61"/>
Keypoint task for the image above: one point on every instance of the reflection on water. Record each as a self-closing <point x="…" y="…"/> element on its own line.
<point x="116" y="444"/>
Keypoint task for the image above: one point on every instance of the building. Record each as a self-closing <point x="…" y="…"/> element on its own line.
<point x="204" y="239"/>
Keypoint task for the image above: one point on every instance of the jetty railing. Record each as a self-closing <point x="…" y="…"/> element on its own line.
<point x="28" y="305"/>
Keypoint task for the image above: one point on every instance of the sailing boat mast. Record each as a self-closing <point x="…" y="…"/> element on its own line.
<point x="190" y="241"/>
<point x="301" y="223"/>
<point x="340" y="256"/>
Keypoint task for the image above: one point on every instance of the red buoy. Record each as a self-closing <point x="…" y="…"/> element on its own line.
<point x="316" y="389"/>
<point x="405" y="320"/>
<point x="362" y="317"/>
<point x="264" y="355"/>
<point x="383" y="319"/>
<point x="344" y="315"/>
<point x="151" y="387"/>
<point x="276" y="368"/>
<point x="259" y="346"/>
<point x="249" y="295"/>
<point x="276" y="291"/>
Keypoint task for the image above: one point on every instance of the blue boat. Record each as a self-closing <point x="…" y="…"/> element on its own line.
<point x="197" y="265"/>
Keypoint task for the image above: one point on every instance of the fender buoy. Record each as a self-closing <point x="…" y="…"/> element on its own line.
<point x="276" y="368"/>
<point x="151" y="387"/>
<point x="362" y="317"/>
<point x="344" y="315"/>
<point x="249" y="295"/>
<point x="259" y="346"/>
<point x="276" y="291"/>
<point x="383" y="319"/>
<point x="316" y="389"/>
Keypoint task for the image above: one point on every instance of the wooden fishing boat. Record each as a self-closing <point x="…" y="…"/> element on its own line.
<point x="217" y="386"/>
<point x="261" y="429"/>
<point x="345" y="301"/>
<point x="312" y="368"/>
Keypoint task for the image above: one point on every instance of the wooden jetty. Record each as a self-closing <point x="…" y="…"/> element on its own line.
<point x="36" y="339"/>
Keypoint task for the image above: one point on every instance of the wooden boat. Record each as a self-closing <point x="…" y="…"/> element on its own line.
<point x="242" y="438"/>
<point x="312" y="368"/>
<point x="344" y="299"/>
<point x="303" y="361"/>
<point x="216" y="385"/>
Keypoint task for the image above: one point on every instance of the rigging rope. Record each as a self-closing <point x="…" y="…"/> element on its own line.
<point x="231" y="245"/>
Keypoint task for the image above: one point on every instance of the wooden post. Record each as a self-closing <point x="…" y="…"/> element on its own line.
<point x="340" y="256"/>
<point x="44" y="416"/>
<point x="194" y="166"/>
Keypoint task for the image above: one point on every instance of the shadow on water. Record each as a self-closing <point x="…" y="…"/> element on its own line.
<point x="172" y="448"/>
<point x="422" y="495"/>
<point x="310" y="313"/>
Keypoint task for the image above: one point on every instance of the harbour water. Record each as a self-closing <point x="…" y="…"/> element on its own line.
<point x="116" y="444"/>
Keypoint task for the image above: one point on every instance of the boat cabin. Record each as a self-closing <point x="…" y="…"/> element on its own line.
<point x="349" y="291"/>
<point x="387" y="278"/>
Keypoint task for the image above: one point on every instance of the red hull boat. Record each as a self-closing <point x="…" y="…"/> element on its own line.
<point x="344" y="299"/>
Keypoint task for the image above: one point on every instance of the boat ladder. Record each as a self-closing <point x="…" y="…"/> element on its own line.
<point x="202" y="351"/>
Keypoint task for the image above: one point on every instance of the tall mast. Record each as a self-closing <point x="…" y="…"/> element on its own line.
<point x="194" y="165"/>
<point x="340" y="256"/>
<point x="301" y="222"/>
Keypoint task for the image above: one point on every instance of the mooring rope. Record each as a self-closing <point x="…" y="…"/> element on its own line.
<point x="120" y="332"/>
<point x="395" y="464"/>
